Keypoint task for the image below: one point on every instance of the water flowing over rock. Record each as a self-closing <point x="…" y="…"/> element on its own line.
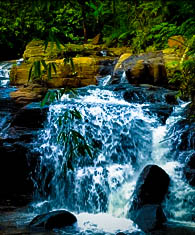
<point x="54" y="219"/>
<point x="151" y="188"/>
<point x="128" y="127"/>
<point x="189" y="169"/>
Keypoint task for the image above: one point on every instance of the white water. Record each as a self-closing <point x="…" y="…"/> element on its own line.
<point x="4" y="73"/>
<point x="99" y="191"/>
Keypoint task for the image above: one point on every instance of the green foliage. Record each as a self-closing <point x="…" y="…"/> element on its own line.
<point x="74" y="143"/>
<point x="56" y="95"/>
<point x="188" y="69"/>
<point x="160" y="34"/>
<point x="40" y="70"/>
<point x="141" y="24"/>
<point x="185" y="78"/>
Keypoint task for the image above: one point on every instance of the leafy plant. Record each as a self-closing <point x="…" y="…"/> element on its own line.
<point x="40" y="69"/>
<point x="75" y="145"/>
<point x="55" y="95"/>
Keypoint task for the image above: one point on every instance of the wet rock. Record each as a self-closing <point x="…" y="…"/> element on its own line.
<point x="14" y="169"/>
<point x="30" y="116"/>
<point x="145" y="93"/>
<point x="141" y="69"/>
<point x="171" y="98"/>
<point x="185" y="138"/>
<point x="161" y="111"/>
<point x="54" y="219"/>
<point x="150" y="191"/>
<point x="154" y="68"/>
<point x="150" y="217"/>
<point x="189" y="170"/>
<point x="16" y="154"/>
<point x="27" y="94"/>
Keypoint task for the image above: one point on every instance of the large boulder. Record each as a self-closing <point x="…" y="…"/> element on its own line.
<point x="16" y="152"/>
<point x="150" y="191"/>
<point x="54" y="219"/>
<point x="144" y="68"/>
<point x="155" y="68"/>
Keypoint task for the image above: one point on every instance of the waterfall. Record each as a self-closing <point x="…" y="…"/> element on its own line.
<point x="125" y="137"/>
<point x="4" y="73"/>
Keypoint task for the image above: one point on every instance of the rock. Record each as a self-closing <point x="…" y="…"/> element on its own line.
<point x="35" y="50"/>
<point x="54" y="219"/>
<point x="14" y="169"/>
<point x="172" y="60"/>
<point x="149" y="217"/>
<point x="176" y="41"/>
<point x="189" y="169"/>
<point x="185" y="137"/>
<point x="162" y="111"/>
<point x="30" y="116"/>
<point x="16" y="153"/>
<point x="154" y="68"/>
<point x="150" y="94"/>
<point x="28" y="94"/>
<point x="141" y="69"/>
<point x="151" y="188"/>
<point x="86" y="62"/>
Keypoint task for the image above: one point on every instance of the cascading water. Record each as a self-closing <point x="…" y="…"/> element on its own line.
<point x="4" y="73"/>
<point x="4" y="95"/>
<point x="125" y="137"/>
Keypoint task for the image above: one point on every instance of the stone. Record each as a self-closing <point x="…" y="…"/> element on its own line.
<point x="16" y="152"/>
<point x="14" y="168"/>
<point x="27" y="94"/>
<point x="147" y="68"/>
<point x="54" y="219"/>
<point x="30" y="116"/>
<point x="151" y="188"/>
<point x="189" y="169"/>
<point x="155" y="68"/>
<point x="176" y="41"/>
<point x="149" y="217"/>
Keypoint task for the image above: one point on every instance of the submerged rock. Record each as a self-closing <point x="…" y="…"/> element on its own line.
<point x="54" y="219"/>
<point x="150" y="191"/>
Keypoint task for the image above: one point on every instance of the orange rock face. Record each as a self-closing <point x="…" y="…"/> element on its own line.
<point x="176" y="41"/>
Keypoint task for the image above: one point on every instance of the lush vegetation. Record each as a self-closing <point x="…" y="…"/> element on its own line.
<point x="142" y="24"/>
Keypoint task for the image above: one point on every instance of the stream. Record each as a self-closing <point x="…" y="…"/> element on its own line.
<point x="125" y="135"/>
